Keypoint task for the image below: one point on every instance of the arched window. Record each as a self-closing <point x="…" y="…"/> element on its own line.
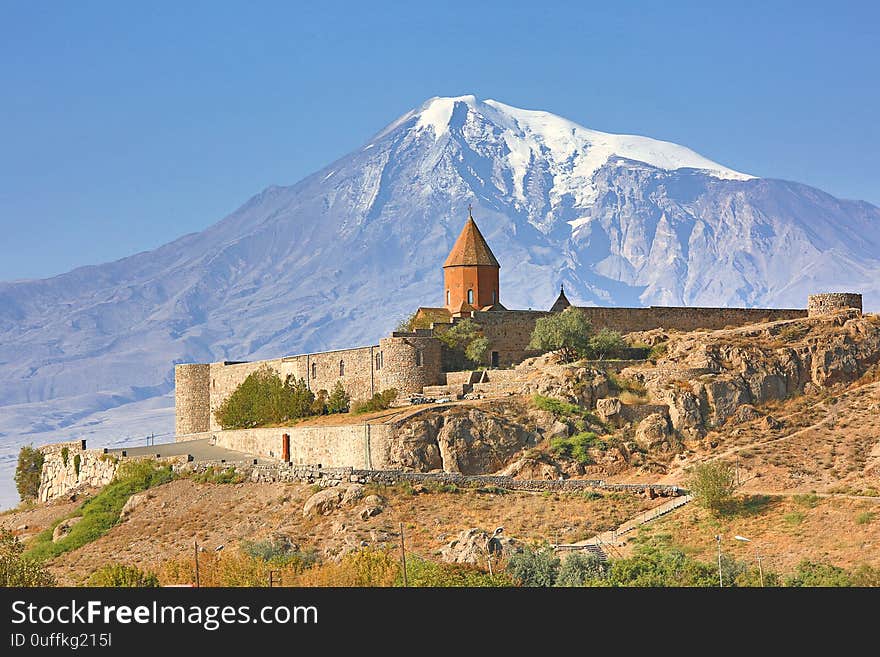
<point x="418" y="357"/>
<point x="342" y="368"/>
<point x="470" y="296"/>
<point x="447" y="297"/>
<point x="379" y="361"/>
<point x="314" y="370"/>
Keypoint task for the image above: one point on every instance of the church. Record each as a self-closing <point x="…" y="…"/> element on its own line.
<point x="410" y="361"/>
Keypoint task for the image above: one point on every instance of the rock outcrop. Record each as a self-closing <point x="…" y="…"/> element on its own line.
<point x="476" y="545"/>
<point x="462" y="439"/>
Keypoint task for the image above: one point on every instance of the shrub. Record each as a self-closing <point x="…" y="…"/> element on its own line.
<point x="658" y="351"/>
<point x="865" y="518"/>
<point x="263" y="398"/>
<point x="818" y="574"/>
<point x="658" y="566"/>
<point x="560" y="409"/>
<point x="607" y="344"/>
<point x="580" y="568"/>
<point x="279" y="551"/>
<point x="230" y="568"/>
<point x="77" y="461"/>
<point x="576" y="447"/>
<point x="378" y="402"/>
<point x="121" y="575"/>
<point x="421" y="572"/>
<point x="101" y="513"/>
<point x="28" y="472"/>
<point x="339" y="399"/>
<point x="567" y="332"/>
<point x="365" y="567"/>
<point x="712" y="484"/>
<point x="18" y="570"/>
<point x="538" y="567"/>
<point x="65" y="454"/>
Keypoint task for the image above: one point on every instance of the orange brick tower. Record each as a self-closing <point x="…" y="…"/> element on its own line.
<point x="470" y="273"/>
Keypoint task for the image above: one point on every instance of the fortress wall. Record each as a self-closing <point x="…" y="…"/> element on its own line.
<point x="221" y="379"/>
<point x="410" y="362"/>
<point x="821" y="304"/>
<point x="192" y="402"/>
<point x="69" y="465"/>
<point x="321" y="371"/>
<point x="626" y="320"/>
<point x="351" y="445"/>
<point x="509" y="333"/>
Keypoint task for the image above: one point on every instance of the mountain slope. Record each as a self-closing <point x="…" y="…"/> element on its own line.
<point x="337" y="259"/>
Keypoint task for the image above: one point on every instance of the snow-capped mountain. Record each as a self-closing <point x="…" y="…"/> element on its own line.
<point x="338" y="258"/>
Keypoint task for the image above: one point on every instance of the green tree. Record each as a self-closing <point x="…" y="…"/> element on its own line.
<point x="15" y="569"/>
<point x="339" y="399"/>
<point x="477" y="350"/>
<point x="567" y="332"/>
<point x="319" y="406"/>
<point x="28" y="472"/>
<point x="607" y="344"/>
<point x="460" y="334"/>
<point x="580" y="569"/>
<point x="712" y="484"/>
<point x="121" y="575"/>
<point x="263" y="398"/>
<point x="538" y="567"/>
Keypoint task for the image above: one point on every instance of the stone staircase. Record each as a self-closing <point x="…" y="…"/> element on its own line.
<point x="485" y="383"/>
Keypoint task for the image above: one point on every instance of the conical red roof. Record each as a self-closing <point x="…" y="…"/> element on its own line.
<point x="471" y="248"/>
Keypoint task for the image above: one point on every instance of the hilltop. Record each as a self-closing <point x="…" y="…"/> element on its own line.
<point x="794" y="404"/>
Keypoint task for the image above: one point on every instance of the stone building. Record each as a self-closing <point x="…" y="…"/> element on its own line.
<point x="411" y="361"/>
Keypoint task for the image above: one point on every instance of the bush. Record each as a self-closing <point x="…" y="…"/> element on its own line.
<point x="280" y="552"/>
<point x="567" y="332"/>
<point x="18" y="570"/>
<point x="579" y="569"/>
<point x="378" y="402"/>
<point x="653" y="566"/>
<point x="607" y="344"/>
<point x="365" y="567"/>
<point x="560" y="409"/>
<point x="101" y="513"/>
<point x="421" y="572"/>
<point x="658" y="351"/>
<point x="28" y="472"/>
<point x="339" y="399"/>
<point x="818" y="574"/>
<point x="576" y="447"/>
<point x="121" y="575"/>
<point x="65" y="454"/>
<point x="263" y="398"/>
<point x="712" y="484"/>
<point x="230" y="568"/>
<point x="538" y="567"/>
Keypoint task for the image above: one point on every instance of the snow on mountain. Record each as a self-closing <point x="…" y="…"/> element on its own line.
<point x="338" y="258"/>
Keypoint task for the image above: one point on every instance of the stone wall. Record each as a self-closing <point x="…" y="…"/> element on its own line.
<point x="409" y="362"/>
<point x="69" y="465"/>
<point x="192" y="401"/>
<point x="349" y="445"/>
<point x="354" y="368"/>
<point x="822" y="304"/>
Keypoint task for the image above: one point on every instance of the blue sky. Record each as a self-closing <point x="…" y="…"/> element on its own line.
<point x="126" y="125"/>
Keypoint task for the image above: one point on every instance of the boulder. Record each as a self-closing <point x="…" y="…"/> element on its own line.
<point x="133" y="503"/>
<point x="745" y="413"/>
<point x="652" y="432"/>
<point x="352" y="493"/>
<point x="324" y="502"/>
<point x="63" y="528"/>
<point x="474" y="545"/>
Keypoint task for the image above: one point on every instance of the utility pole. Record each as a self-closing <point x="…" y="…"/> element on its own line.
<point x="720" y="580"/>
<point x="403" y="556"/>
<point x="196" y="543"/>
<point x="760" y="569"/>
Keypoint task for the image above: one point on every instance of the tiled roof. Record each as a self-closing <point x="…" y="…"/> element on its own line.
<point x="470" y="248"/>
